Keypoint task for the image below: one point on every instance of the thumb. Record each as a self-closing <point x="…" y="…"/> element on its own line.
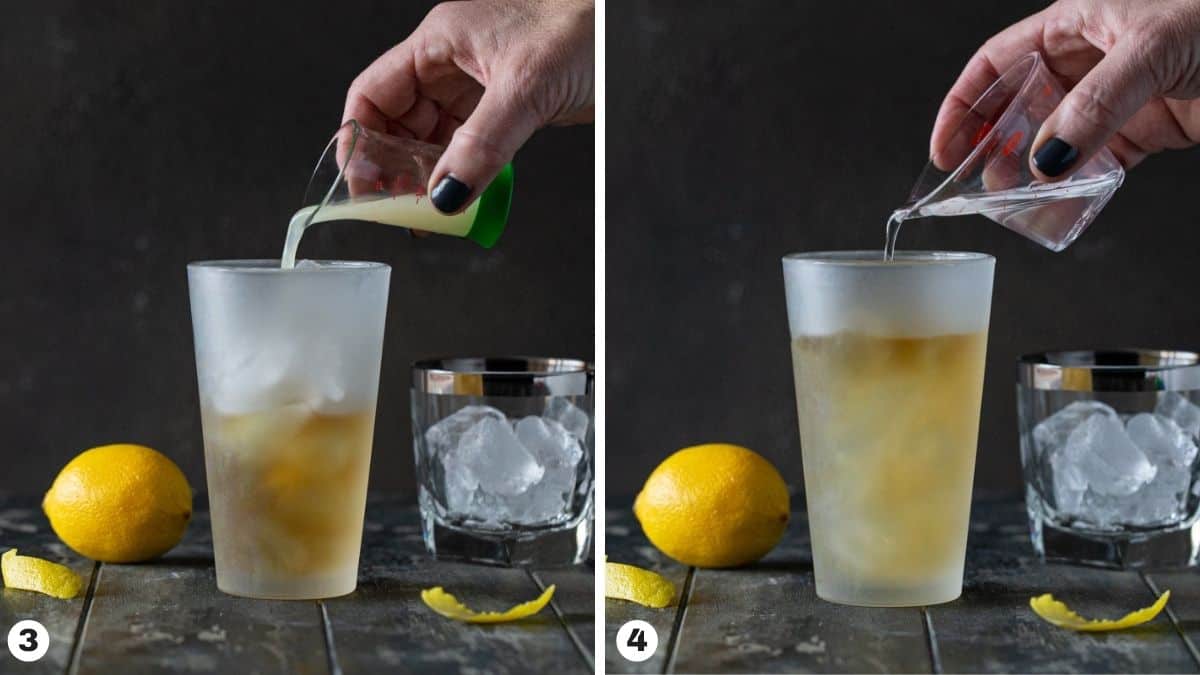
<point x="1094" y="110"/>
<point x="496" y="129"/>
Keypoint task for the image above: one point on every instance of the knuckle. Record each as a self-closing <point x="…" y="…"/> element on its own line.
<point x="1162" y="40"/>
<point x="483" y="147"/>
<point x="444" y="12"/>
<point x="525" y="75"/>
<point x="1091" y="104"/>
<point x="357" y="87"/>
<point x="531" y="82"/>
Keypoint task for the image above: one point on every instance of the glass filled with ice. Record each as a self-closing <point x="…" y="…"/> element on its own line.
<point x="888" y="358"/>
<point x="288" y="369"/>
<point x="1109" y="452"/>
<point x="504" y="458"/>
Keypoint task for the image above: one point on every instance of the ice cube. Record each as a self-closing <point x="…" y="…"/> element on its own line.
<point x="1162" y="501"/>
<point x="308" y="265"/>
<point x="549" y="500"/>
<point x="1068" y="484"/>
<point x="559" y="451"/>
<point x="442" y="437"/>
<point x="496" y="459"/>
<point x="255" y="381"/>
<point x="321" y="372"/>
<point x="571" y="417"/>
<point x="282" y="372"/>
<point x="1106" y="458"/>
<point x="460" y="486"/>
<point x="1051" y="433"/>
<point x="550" y="442"/>
<point x="1165" y="444"/>
<point x="1181" y="410"/>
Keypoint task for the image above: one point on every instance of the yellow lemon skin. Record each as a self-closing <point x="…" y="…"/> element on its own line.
<point x="714" y="505"/>
<point x="41" y="576"/>
<point x="447" y="605"/>
<point x="119" y="504"/>
<point x="626" y="582"/>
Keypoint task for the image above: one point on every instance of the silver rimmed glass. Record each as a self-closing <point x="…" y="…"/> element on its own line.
<point x="1109" y="455"/>
<point x="504" y="458"/>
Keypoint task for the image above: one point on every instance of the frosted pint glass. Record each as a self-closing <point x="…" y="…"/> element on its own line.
<point x="288" y="368"/>
<point x="888" y="359"/>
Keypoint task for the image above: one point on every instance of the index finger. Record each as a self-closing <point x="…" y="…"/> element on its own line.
<point x="386" y="90"/>
<point x="984" y="68"/>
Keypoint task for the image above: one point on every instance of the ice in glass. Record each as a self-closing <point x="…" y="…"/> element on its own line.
<point x="888" y="359"/>
<point x="288" y="369"/>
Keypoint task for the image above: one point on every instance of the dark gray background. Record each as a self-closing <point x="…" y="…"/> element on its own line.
<point x="135" y="141"/>
<point x="739" y="132"/>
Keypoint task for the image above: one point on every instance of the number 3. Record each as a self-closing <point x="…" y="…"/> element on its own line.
<point x="30" y="636"/>
<point x="28" y="640"/>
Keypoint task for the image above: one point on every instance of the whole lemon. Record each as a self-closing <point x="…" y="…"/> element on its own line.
<point x="714" y="505"/>
<point x="119" y="503"/>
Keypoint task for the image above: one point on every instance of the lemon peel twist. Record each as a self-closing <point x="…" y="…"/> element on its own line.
<point x="1057" y="613"/>
<point x="447" y="605"/>
<point x="626" y="582"/>
<point x="28" y="573"/>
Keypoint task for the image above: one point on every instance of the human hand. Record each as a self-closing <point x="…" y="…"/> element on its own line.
<point x="480" y="77"/>
<point x="1132" y="68"/>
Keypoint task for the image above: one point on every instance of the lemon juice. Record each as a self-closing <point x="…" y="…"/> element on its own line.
<point x="404" y="210"/>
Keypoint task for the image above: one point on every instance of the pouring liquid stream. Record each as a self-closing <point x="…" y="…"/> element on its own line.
<point x="994" y="204"/>
<point x="411" y="211"/>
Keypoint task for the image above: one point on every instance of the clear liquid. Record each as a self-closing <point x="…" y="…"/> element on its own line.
<point x="407" y="210"/>
<point x="892" y="232"/>
<point x="1006" y="204"/>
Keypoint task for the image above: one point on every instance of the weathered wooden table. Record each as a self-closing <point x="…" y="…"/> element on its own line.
<point x="767" y="618"/>
<point x="168" y="616"/>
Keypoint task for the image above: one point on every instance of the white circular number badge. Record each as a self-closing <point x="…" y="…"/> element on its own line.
<point x="28" y="640"/>
<point x="637" y="640"/>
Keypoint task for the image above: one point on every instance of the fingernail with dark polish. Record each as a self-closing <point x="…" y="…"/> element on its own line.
<point x="1055" y="156"/>
<point x="450" y="194"/>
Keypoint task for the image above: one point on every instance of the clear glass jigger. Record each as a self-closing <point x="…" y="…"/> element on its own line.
<point x="372" y="176"/>
<point x="991" y="175"/>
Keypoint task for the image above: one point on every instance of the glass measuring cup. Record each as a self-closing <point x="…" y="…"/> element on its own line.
<point x="985" y="167"/>
<point x="372" y="176"/>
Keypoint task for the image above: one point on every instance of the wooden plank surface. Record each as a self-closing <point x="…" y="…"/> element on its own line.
<point x="1183" y="609"/>
<point x="626" y="544"/>
<point x="991" y="628"/>
<point x="168" y="616"/>
<point x="767" y="616"/>
<point x="384" y="625"/>
<point x="574" y="603"/>
<point x="24" y="527"/>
